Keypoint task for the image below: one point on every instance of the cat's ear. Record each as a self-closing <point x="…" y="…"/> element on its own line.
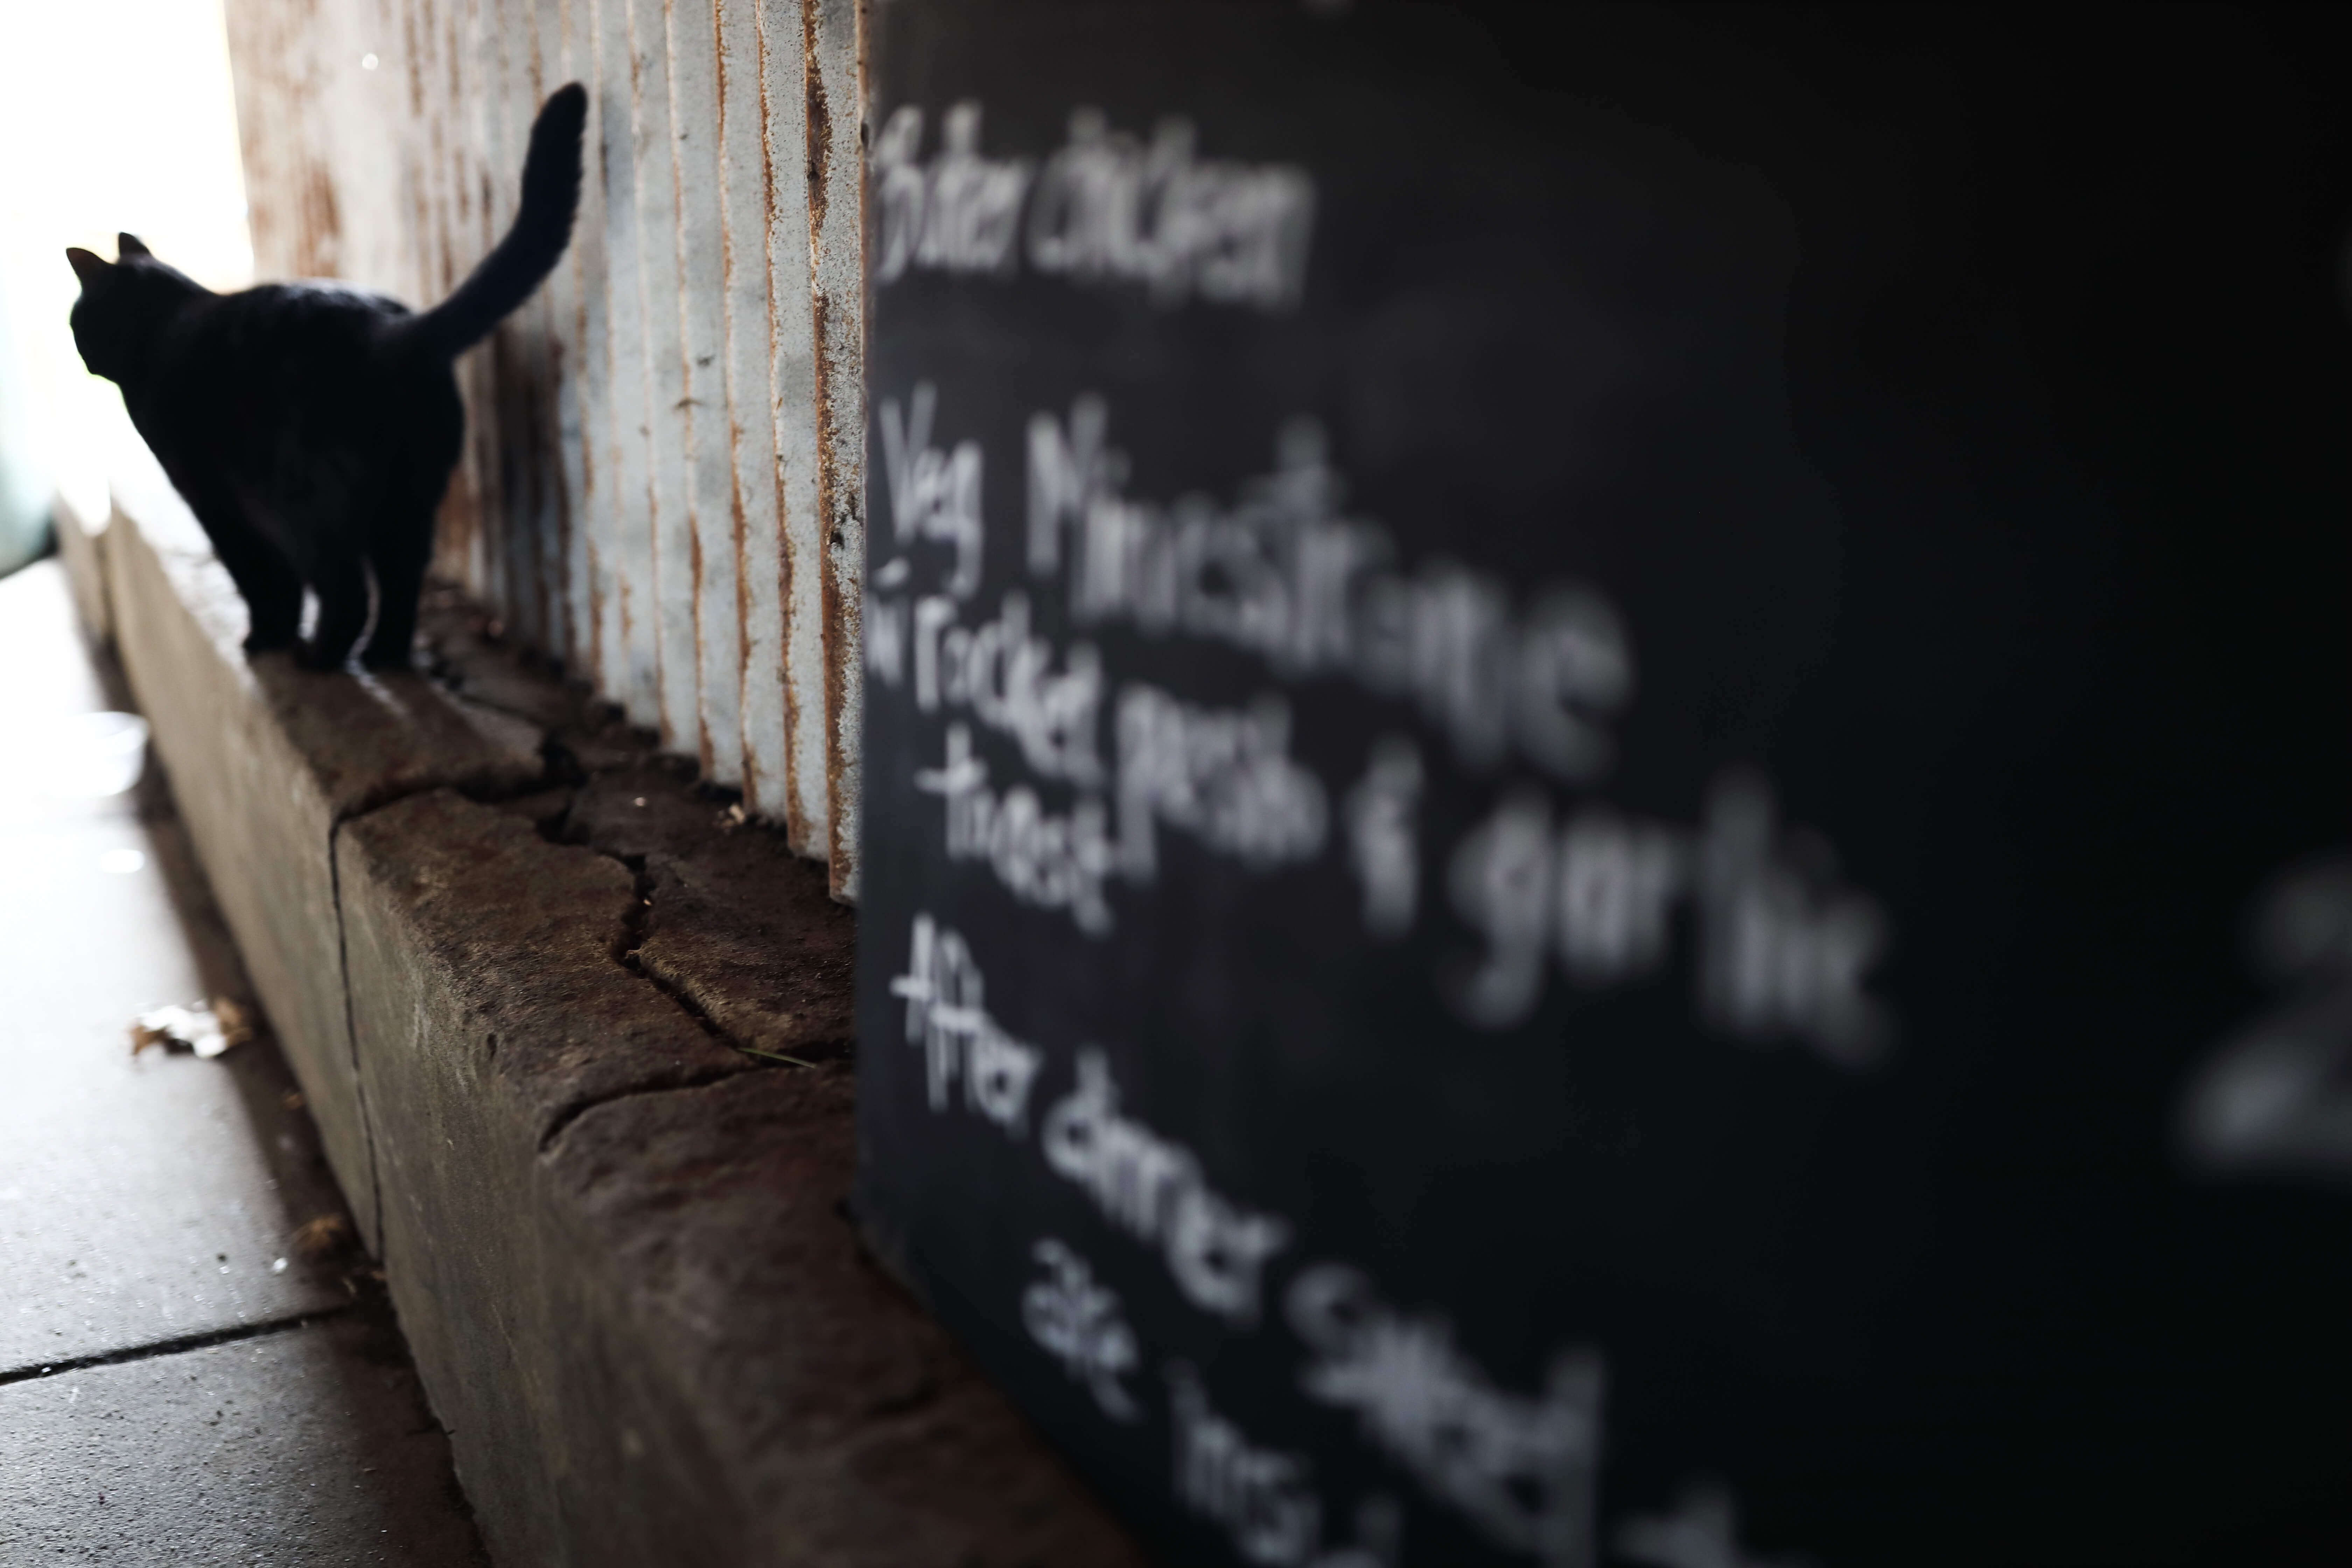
<point x="129" y="244"/>
<point x="87" y="266"/>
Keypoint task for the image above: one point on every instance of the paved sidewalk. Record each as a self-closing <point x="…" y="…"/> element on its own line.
<point x="180" y="1380"/>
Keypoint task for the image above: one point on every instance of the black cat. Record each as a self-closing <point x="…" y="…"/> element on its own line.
<point x="313" y="428"/>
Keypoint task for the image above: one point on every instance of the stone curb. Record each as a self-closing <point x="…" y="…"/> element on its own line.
<point x="535" y="985"/>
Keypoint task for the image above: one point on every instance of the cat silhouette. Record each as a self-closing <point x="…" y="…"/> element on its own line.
<point x="312" y="428"/>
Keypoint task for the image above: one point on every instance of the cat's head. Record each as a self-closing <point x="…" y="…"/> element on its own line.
<point x="125" y="305"/>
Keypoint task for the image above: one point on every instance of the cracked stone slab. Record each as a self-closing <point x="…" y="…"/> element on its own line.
<point x="269" y="758"/>
<point x="642" y="808"/>
<point x="489" y="1006"/>
<point x="469" y="655"/>
<point x="519" y="941"/>
<point x="750" y="933"/>
<point x="844" y="1426"/>
<point x="736" y="924"/>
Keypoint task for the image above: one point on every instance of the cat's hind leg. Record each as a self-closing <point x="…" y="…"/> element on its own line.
<point x="404" y="548"/>
<point x="269" y="583"/>
<point x="340" y="580"/>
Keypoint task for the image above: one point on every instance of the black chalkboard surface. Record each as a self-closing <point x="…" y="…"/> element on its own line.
<point x="1603" y="748"/>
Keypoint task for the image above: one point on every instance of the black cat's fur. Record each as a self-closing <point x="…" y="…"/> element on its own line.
<point x="313" y="428"/>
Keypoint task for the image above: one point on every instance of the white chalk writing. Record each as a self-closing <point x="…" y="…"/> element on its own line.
<point x="1004" y="673"/>
<point x="1107" y="208"/>
<point x="1054" y="862"/>
<point x="1263" y="1498"/>
<point x="1077" y="1322"/>
<point x="1383" y="841"/>
<point x="1223" y="775"/>
<point x="934" y="495"/>
<point x="1702" y="1530"/>
<point x="1280" y="574"/>
<point x="1152" y="1188"/>
<point x="1524" y="1469"/>
<point x="885" y="620"/>
<point x="2275" y="1099"/>
<point x="960" y="211"/>
<point x="1784" y="951"/>
<point x="947" y="1016"/>
<point x="1111" y="208"/>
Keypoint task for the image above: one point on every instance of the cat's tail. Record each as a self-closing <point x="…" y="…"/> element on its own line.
<point x="550" y="194"/>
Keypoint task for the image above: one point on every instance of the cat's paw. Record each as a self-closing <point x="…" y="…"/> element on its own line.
<point x="388" y="658"/>
<point x="268" y="642"/>
<point x="311" y="656"/>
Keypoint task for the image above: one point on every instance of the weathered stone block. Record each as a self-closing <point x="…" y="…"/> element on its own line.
<point x="735" y="924"/>
<point x="670" y="1287"/>
<point x="489" y="1006"/>
<point x="749" y="933"/>
<point x="616" y="1242"/>
<point x="265" y="760"/>
<point x="842" y="1425"/>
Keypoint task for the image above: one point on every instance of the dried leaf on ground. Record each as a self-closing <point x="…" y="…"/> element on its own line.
<point x="321" y="1236"/>
<point x="207" y="1029"/>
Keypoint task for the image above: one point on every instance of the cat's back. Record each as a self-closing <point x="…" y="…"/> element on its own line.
<point x="279" y="379"/>
<point x="282" y="329"/>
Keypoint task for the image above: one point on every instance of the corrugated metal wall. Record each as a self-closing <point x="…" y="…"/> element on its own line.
<point x="664" y="475"/>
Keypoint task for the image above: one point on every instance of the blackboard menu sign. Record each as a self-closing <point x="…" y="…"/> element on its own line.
<point x="1606" y="770"/>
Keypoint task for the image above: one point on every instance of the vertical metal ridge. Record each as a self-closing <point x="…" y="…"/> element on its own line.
<point x="755" y="495"/>
<point x="633" y="630"/>
<point x="837" y="284"/>
<point x="783" y="32"/>
<point x="670" y="597"/>
<point x="700" y="240"/>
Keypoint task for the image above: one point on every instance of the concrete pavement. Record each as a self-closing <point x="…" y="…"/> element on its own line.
<point x="179" y="1381"/>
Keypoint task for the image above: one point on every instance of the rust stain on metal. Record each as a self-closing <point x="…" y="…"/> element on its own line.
<point x="840" y="418"/>
<point x="833" y="624"/>
<point x="415" y="58"/>
<point x="840" y="620"/>
<point x="797" y="827"/>
<point x="820" y="129"/>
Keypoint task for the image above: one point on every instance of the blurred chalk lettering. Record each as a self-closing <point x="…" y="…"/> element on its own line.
<point x="1106" y="209"/>
<point x="958" y="212"/>
<point x="1077" y="1322"/>
<point x="1784" y="949"/>
<point x="1152" y="1188"/>
<point x="1701" y="1531"/>
<point x="1384" y="844"/>
<point x="1261" y="1497"/>
<point x="1223" y="775"/>
<point x="1526" y="1470"/>
<point x="1004" y="673"/>
<point x="1281" y="574"/>
<point x="934" y="495"/>
<point x="1110" y="208"/>
<point x="947" y="1016"/>
<point x="2276" y="1098"/>
<point x="1052" y="861"/>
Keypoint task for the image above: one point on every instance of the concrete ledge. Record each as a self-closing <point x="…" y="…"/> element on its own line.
<point x="270" y="758"/>
<point x="537" y="985"/>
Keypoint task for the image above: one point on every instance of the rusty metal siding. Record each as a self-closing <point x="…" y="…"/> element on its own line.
<point x="706" y="416"/>
<point x="783" y="74"/>
<point x="632" y="677"/>
<point x="755" y="493"/>
<point x="663" y="479"/>
<point x="836" y="75"/>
